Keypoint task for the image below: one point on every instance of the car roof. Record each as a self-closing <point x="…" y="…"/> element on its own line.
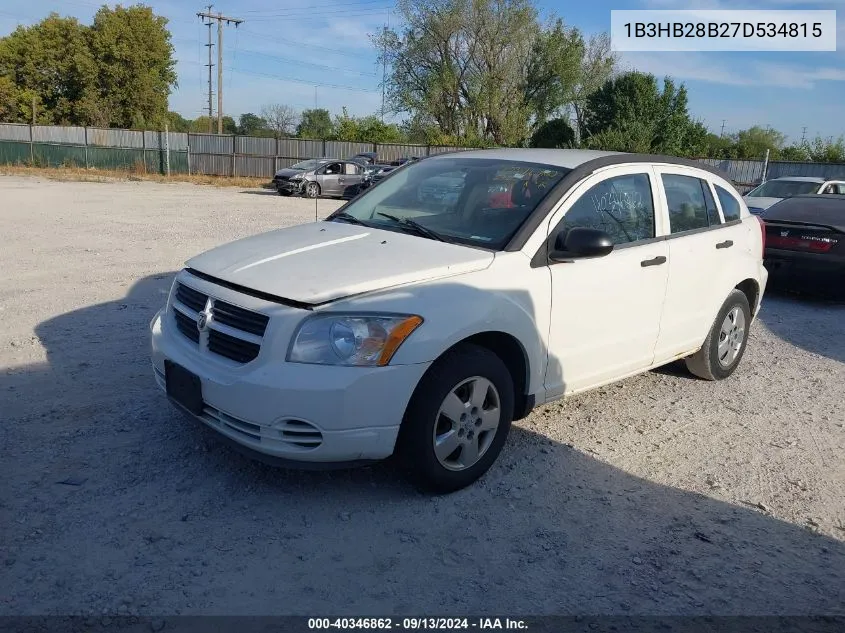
<point x="800" y="179"/>
<point x="582" y="161"/>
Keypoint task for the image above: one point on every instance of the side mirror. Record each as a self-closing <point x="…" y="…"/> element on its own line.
<point x="581" y="243"/>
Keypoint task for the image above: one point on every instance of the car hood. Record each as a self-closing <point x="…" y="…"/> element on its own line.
<point x="287" y="173"/>
<point x="325" y="261"/>
<point x="761" y="203"/>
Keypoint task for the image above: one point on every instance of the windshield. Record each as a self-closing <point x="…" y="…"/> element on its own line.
<point x="474" y="201"/>
<point x="306" y="165"/>
<point x="783" y="189"/>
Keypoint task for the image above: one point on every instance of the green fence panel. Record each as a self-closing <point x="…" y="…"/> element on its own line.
<point x="13" y="153"/>
<point x="58" y="155"/>
<point x="117" y="158"/>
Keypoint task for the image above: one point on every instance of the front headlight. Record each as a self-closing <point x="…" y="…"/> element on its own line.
<point x="368" y="340"/>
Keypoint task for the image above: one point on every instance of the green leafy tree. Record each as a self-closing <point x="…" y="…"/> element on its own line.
<point x="556" y="133"/>
<point x="632" y="113"/>
<point x="230" y="126"/>
<point x="753" y="142"/>
<point x="827" y="150"/>
<point x="251" y="124"/>
<point x="51" y="64"/>
<point x="135" y="66"/>
<point x="177" y="123"/>
<point x="315" y="123"/>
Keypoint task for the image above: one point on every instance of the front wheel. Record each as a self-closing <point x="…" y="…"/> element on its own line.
<point x="724" y="346"/>
<point x="457" y="420"/>
<point x="312" y="190"/>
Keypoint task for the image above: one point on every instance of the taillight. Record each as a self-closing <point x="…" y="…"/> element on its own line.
<point x="811" y="243"/>
<point x="762" y="235"/>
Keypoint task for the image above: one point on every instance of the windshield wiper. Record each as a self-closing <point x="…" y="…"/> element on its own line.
<point x="416" y="226"/>
<point x="343" y="215"/>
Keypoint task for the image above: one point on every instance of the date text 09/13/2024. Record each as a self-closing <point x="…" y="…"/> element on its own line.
<point x="419" y="623"/>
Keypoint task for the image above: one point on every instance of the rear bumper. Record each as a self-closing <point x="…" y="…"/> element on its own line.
<point x="817" y="271"/>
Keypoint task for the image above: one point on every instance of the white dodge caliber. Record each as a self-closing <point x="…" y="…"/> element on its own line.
<point x="426" y="314"/>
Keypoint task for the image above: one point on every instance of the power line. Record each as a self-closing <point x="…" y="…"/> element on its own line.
<point x="275" y="39"/>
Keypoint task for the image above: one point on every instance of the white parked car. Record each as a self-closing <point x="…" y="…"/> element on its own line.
<point x="423" y="325"/>
<point x="765" y="195"/>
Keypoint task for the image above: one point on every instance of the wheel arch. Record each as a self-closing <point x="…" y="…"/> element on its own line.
<point x="751" y="289"/>
<point x="513" y="354"/>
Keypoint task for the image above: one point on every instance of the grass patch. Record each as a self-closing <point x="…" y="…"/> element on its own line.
<point x="80" y="174"/>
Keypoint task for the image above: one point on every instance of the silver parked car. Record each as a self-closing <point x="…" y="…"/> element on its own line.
<point x="320" y="177"/>
<point x="770" y="192"/>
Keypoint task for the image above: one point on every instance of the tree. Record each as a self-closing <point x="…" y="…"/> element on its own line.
<point x="556" y="133"/>
<point x="753" y="142"/>
<point x="596" y="66"/>
<point x="252" y="125"/>
<point x="177" y="123"/>
<point x="315" y="123"/>
<point x="135" y="66"/>
<point x="631" y="113"/>
<point x="229" y="125"/>
<point x="51" y="63"/>
<point x="280" y="118"/>
<point x="827" y="150"/>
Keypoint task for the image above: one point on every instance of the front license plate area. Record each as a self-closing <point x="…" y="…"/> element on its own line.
<point x="183" y="387"/>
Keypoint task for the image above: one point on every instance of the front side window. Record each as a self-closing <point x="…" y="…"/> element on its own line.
<point x="621" y="206"/>
<point x="474" y="201"/>
<point x="333" y="168"/>
<point x="686" y="202"/>
<point x="730" y="206"/>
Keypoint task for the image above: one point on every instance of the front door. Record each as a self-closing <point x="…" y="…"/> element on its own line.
<point x="606" y="311"/>
<point x="329" y="179"/>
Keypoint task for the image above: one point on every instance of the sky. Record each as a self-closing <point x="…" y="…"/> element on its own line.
<point x="318" y="53"/>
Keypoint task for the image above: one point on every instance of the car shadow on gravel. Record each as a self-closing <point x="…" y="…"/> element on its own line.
<point x="112" y="498"/>
<point x="811" y="322"/>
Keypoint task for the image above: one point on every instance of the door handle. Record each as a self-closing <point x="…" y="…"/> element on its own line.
<point x="660" y="259"/>
<point x="725" y="244"/>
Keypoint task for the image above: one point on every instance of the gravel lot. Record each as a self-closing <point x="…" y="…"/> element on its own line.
<point x="658" y="495"/>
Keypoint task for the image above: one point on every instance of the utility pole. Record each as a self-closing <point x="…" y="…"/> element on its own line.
<point x="210" y="66"/>
<point x="803" y="134"/>
<point x="384" y="63"/>
<point x="722" y="133"/>
<point x="220" y="20"/>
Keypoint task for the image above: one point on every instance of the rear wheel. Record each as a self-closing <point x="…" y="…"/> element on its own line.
<point x="457" y="420"/>
<point x="725" y="344"/>
<point x="311" y="190"/>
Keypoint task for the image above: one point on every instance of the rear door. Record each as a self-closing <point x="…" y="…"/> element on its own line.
<point x="703" y="246"/>
<point x="350" y="178"/>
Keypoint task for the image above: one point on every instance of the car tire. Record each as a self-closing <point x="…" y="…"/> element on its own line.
<point x="726" y="342"/>
<point x="311" y="190"/>
<point x="475" y="387"/>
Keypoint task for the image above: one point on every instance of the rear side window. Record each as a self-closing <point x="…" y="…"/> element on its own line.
<point x="621" y="206"/>
<point x="351" y="169"/>
<point x="730" y="206"/>
<point x="687" y="207"/>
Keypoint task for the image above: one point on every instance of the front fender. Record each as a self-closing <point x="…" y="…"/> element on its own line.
<point x="459" y="307"/>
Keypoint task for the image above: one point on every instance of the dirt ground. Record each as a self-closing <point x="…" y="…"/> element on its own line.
<point x="661" y="494"/>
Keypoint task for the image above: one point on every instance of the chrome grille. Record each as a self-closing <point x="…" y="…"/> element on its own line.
<point x="188" y="296"/>
<point x="232" y="347"/>
<point x="241" y="340"/>
<point x="236" y="317"/>
<point x="187" y="326"/>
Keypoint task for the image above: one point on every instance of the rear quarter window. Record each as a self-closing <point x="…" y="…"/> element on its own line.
<point x="730" y="205"/>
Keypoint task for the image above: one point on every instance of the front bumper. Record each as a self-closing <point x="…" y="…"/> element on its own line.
<point x="288" y="186"/>
<point x="293" y="412"/>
